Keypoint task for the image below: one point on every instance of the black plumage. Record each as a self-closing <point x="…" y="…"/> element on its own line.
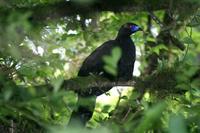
<point x="94" y="64"/>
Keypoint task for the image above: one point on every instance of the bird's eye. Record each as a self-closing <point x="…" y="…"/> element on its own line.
<point x="131" y="26"/>
<point x="127" y="26"/>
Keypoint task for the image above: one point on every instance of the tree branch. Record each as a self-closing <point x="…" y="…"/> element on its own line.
<point x="92" y="85"/>
<point x="44" y="12"/>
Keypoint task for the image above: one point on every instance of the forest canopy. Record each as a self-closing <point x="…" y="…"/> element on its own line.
<point x="44" y="42"/>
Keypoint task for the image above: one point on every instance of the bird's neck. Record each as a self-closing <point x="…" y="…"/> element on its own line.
<point x="123" y="38"/>
<point x="122" y="35"/>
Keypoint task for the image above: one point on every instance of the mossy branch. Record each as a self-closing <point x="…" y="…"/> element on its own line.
<point x="92" y="85"/>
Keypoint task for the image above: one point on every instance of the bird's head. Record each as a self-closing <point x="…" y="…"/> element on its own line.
<point x="128" y="29"/>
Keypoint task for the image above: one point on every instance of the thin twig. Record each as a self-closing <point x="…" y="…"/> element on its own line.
<point x="187" y="48"/>
<point x="126" y="115"/>
<point x="155" y="18"/>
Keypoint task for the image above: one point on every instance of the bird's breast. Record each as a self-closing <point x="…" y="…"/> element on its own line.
<point x="128" y="50"/>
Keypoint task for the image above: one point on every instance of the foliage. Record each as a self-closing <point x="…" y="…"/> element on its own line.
<point x="112" y="61"/>
<point x="38" y="55"/>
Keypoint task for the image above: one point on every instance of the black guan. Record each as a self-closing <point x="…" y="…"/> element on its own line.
<point x="94" y="64"/>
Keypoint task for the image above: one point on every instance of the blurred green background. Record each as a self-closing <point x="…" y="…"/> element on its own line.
<point x="43" y="42"/>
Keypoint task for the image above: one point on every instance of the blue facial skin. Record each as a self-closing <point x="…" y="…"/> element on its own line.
<point x="134" y="28"/>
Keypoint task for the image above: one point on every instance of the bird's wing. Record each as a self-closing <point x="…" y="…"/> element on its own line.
<point x="94" y="63"/>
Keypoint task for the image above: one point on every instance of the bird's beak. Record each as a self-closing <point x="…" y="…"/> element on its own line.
<point x="140" y="29"/>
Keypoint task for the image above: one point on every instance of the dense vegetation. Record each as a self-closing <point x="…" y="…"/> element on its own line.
<point x="43" y="43"/>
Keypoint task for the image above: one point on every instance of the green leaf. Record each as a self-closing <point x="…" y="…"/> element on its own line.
<point x="151" y="117"/>
<point x="157" y="49"/>
<point x="111" y="61"/>
<point x="57" y="82"/>
<point x="177" y="124"/>
<point x="188" y="40"/>
<point x="124" y="97"/>
<point x="110" y="69"/>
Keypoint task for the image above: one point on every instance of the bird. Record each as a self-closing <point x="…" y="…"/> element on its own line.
<point x="94" y="64"/>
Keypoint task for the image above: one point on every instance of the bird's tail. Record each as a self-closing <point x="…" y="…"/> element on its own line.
<point x="84" y="111"/>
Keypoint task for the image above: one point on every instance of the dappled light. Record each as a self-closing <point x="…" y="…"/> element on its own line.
<point x="127" y="66"/>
